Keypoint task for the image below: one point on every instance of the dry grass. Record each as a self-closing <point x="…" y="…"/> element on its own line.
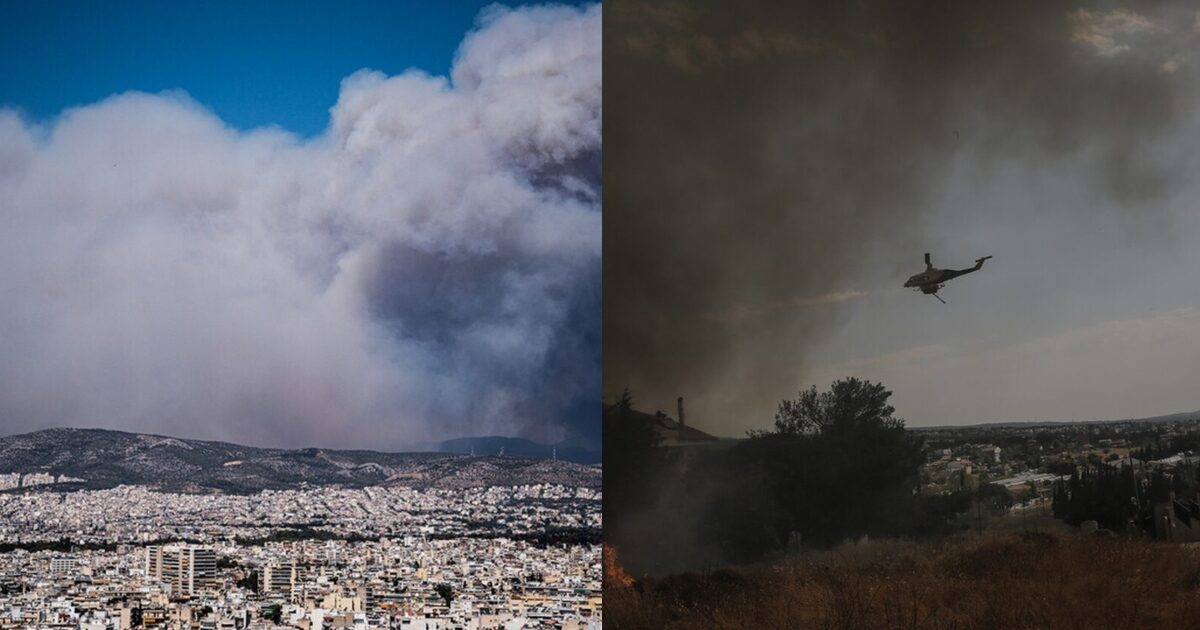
<point x="1002" y="581"/>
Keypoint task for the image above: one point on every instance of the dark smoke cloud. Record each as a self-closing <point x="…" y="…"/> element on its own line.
<point x="763" y="157"/>
<point x="426" y="268"/>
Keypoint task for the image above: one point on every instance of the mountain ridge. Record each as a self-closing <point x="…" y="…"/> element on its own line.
<point x="104" y="458"/>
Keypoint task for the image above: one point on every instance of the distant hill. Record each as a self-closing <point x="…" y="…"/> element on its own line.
<point x="103" y="459"/>
<point x="571" y="451"/>
<point x="1171" y="417"/>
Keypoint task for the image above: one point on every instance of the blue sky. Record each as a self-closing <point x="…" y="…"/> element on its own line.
<point x="252" y="63"/>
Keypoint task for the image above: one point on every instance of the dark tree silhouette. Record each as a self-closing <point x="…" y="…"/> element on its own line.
<point x="631" y="463"/>
<point x="837" y="465"/>
<point x="849" y="406"/>
<point x="446" y="592"/>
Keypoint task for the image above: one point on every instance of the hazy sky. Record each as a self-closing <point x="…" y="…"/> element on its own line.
<point x="423" y="264"/>
<point x="774" y="174"/>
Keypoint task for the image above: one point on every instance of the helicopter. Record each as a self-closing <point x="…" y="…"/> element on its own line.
<point x="932" y="279"/>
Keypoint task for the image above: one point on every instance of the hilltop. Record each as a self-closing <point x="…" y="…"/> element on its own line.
<point x="99" y="458"/>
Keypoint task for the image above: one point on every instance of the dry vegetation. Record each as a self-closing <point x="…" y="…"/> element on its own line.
<point x="1036" y="580"/>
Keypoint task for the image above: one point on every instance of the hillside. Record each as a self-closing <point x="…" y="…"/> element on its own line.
<point x="101" y="458"/>
<point x="1034" y="580"/>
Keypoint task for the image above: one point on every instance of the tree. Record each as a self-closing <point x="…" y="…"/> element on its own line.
<point x="249" y="582"/>
<point x="274" y="613"/>
<point x="446" y="592"/>
<point x="850" y="405"/>
<point x="1112" y="497"/>
<point x="1060" y="467"/>
<point x="998" y="498"/>
<point x="838" y="465"/>
<point x="1061" y="502"/>
<point x="631" y="463"/>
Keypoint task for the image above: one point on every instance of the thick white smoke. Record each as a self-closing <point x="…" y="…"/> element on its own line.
<point x="428" y="267"/>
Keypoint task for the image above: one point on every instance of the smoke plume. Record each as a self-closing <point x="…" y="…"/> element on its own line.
<point x="428" y="267"/>
<point x="764" y="156"/>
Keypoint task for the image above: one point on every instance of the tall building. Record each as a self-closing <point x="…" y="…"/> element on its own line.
<point x="282" y="578"/>
<point x="62" y="566"/>
<point x="201" y="574"/>
<point x="185" y="569"/>
<point x="154" y="562"/>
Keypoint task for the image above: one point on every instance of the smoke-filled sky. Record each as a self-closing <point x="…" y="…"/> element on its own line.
<point x="425" y="267"/>
<point x="775" y="171"/>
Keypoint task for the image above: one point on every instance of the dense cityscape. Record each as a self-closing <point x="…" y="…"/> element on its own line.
<point x="376" y="557"/>
<point x="1110" y="473"/>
